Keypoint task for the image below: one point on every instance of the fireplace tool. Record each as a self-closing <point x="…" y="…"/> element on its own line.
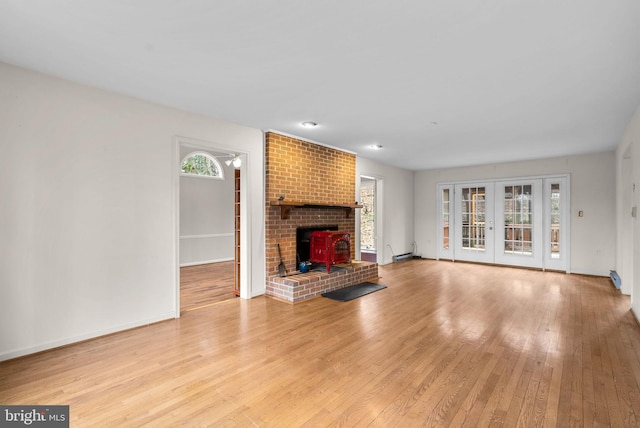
<point x="282" y="271"/>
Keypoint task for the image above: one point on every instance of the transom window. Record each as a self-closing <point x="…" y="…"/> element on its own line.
<point x="201" y="164"/>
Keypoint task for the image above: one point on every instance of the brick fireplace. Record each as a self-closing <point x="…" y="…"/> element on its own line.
<point x="308" y="185"/>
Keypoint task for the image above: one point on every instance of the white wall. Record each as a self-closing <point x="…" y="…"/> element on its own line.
<point x="206" y="215"/>
<point x="395" y="187"/>
<point x="628" y="231"/>
<point x="88" y="217"/>
<point x="593" y="237"/>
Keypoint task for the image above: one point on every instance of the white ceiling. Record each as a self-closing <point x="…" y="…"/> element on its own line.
<point x="437" y="83"/>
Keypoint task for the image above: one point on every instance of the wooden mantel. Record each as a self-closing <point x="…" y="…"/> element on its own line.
<point x="287" y="206"/>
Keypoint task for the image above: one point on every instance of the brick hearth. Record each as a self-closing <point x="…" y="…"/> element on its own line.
<point x="298" y="170"/>
<point x="303" y="286"/>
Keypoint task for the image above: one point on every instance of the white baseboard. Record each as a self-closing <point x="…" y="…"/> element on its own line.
<point x="589" y="272"/>
<point x="68" y="341"/>
<point x="205" y="262"/>
<point x="206" y="236"/>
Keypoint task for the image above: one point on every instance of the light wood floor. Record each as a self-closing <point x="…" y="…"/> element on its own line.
<point x="203" y="285"/>
<point x="446" y="344"/>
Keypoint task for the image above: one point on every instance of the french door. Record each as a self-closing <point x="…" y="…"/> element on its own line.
<point x="473" y="217"/>
<point x="520" y="222"/>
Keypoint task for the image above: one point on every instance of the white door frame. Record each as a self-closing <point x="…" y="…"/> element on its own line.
<point x="379" y="220"/>
<point x="563" y="262"/>
<point x="486" y="254"/>
<point x="529" y="260"/>
<point x="375" y="213"/>
<point x="445" y="253"/>
<point x="626" y="216"/>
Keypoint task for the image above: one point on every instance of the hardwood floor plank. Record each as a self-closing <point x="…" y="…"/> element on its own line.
<point x="538" y="412"/>
<point x="446" y="344"/>
<point x="626" y="398"/>
<point x="207" y="284"/>
<point x="469" y="413"/>
<point x="591" y="409"/>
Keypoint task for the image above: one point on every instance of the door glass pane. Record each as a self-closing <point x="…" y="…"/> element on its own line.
<point x="445" y="219"/>
<point x="473" y="218"/>
<point x="555" y="221"/>
<point x="518" y="219"/>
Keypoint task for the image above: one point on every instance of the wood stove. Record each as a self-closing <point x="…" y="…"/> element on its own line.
<point x="303" y="239"/>
<point x="330" y="248"/>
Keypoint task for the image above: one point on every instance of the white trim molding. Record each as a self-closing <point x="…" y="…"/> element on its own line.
<point x="210" y="235"/>
<point x="206" y="262"/>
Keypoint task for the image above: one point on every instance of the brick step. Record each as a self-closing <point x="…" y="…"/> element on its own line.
<point x="301" y="286"/>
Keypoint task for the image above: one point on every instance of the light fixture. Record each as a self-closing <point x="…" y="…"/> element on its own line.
<point x="375" y="147"/>
<point x="235" y="160"/>
<point x="309" y="124"/>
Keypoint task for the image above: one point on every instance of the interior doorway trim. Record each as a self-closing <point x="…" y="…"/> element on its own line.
<point x="245" y="256"/>
<point x="379" y="220"/>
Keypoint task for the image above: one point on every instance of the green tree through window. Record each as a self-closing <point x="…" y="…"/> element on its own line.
<point x="201" y="164"/>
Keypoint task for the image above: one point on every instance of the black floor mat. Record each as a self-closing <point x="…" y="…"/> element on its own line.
<point x="353" y="291"/>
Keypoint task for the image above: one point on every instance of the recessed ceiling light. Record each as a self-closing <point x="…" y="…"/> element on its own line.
<point x="309" y="124"/>
<point x="375" y="146"/>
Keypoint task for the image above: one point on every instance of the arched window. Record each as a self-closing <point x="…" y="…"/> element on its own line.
<point x="201" y="164"/>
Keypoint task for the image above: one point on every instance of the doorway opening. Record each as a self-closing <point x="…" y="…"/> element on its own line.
<point x="368" y="248"/>
<point x="627" y="249"/>
<point x="209" y="221"/>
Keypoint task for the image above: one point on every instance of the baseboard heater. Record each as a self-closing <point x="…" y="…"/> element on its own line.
<point x="615" y="278"/>
<point x="401" y="257"/>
